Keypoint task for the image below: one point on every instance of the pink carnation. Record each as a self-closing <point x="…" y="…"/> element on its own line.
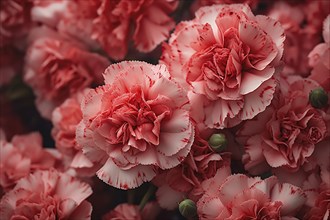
<point x="226" y="57"/>
<point x="57" y="68"/>
<point x="286" y="134"/>
<point x="24" y="154"/>
<point x="47" y="195"/>
<point x="134" y="124"/>
<point x="113" y="24"/>
<point x="65" y="119"/>
<point x="241" y="197"/>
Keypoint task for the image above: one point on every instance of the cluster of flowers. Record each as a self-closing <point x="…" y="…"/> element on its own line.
<point x="226" y="112"/>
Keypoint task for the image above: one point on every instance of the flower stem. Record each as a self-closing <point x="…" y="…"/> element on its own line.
<point x="147" y="196"/>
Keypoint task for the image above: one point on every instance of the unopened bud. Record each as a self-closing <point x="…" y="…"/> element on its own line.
<point x="218" y="142"/>
<point x="318" y="98"/>
<point x="188" y="209"/>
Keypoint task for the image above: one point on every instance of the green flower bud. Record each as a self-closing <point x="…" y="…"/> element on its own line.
<point x="318" y="98"/>
<point x="218" y="142"/>
<point x="188" y="209"/>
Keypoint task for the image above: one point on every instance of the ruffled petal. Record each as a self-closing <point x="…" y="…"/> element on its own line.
<point x="70" y="188"/>
<point x="253" y="159"/>
<point x="292" y="198"/>
<point x="125" y="179"/>
<point x="275" y="30"/>
<point x="167" y="162"/>
<point x="174" y="136"/>
<point x="258" y="100"/>
<point x="151" y="30"/>
<point x="259" y="42"/>
<point x="233" y="185"/>
<point x="252" y="81"/>
<point x="211" y="208"/>
<point x="217" y="112"/>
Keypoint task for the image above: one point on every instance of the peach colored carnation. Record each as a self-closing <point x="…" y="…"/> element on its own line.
<point x="47" y="195"/>
<point x="24" y="154"/>
<point x="226" y="58"/>
<point x="135" y="124"/>
<point x="56" y="68"/>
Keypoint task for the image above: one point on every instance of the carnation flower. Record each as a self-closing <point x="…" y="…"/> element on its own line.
<point x="56" y="68"/>
<point x="24" y="154"/>
<point x="134" y="124"/>
<point x="113" y="24"/>
<point x="241" y="197"/>
<point x="47" y="195"/>
<point x="287" y="134"/>
<point x="226" y="58"/>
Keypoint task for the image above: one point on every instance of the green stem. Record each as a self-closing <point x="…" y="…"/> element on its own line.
<point x="147" y="196"/>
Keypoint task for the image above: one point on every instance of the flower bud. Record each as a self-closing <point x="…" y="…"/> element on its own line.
<point x="318" y="98"/>
<point x="188" y="209"/>
<point x="218" y="142"/>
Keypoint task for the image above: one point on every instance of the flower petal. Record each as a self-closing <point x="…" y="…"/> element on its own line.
<point x="233" y="185"/>
<point x="125" y="179"/>
<point x="258" y="100"/>
<point x="252" y="81"/>
<point x="292" y="198"/>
